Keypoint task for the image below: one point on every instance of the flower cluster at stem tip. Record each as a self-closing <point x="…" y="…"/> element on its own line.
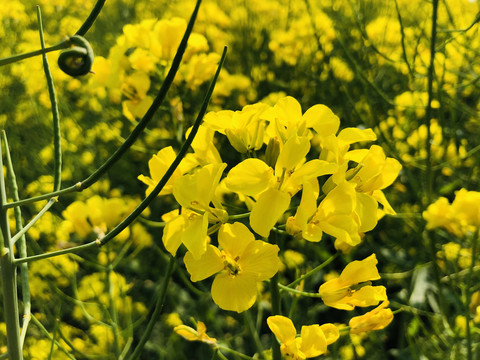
<point x="297" y="172"/>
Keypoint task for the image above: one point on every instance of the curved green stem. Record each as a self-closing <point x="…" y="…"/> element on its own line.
<point x="181" y="154"/>
<point x="57" y="166"/>
<point x="91" y="18"/>
<point x="313" y="271"/>
<point x="298" y="292"/>
<point x="156" y="312"/>
<point x="22" y="245"/>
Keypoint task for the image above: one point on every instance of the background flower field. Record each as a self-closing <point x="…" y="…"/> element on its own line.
<point x="398" y="81"/>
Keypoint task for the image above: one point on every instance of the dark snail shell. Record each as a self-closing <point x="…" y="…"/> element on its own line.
<point x="78" y="59"/>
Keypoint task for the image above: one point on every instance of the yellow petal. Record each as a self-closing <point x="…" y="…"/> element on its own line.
<point x="322" y="120"/>
<point x="366" y="209"/>
<point x="354" y="135"/>
<point x="292" y="154"/>
<point x="234" y="293"/>
<point x="250" y="177"/>
<point x="268" y="209"/>
<point x="234" y="238"/>
<point x="194" y="235"/>
<point x="208" y="264"/>
<point x="314" y="342"/>
<point x="172" y="234"/>
<point x="282" y="327"/>
<point x="260" y="259"/>
<point x="331" y="333"/>
<point x="360" y="271"/>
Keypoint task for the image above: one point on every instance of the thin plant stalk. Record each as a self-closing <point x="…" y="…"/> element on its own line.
<point x="156" y="312"/>
<point x="22" y="245"/>
<point x="276" y="310"/>
<point x="468" y="294"/>
<point x="57" y="149"/>
<point x="9" y="277"/>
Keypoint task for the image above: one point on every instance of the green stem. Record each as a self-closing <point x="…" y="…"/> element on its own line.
<point x="156" y="312"/>
<point x="276" y="310"/>
<point x="22" y="244"/>
<point x="313" y="271"/>
<point x="21" y="232"/>
<point x="57" y="166"/>
<point x="9" y="278"/>
<point x="468" y="292"/>
<point x="181" y="154"/>
<point x="428" y="111"/>
<point x="73" y="249"/>
<point x="253" y="333"/>
<point x="235" y="352"/>
<point x="113" y="309"/>
<point x="298" y="292"/>
<point x="60" y="46"/>
<point x="47" y="334"/>
<point x="76" y="187"/>
<point x="91" y="18"/>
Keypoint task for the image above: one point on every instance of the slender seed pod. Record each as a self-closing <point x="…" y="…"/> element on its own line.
<point x="78" y="59"/>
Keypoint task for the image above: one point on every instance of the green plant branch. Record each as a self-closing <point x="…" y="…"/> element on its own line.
<point x="181" y="154"/>
<point x="47" y="334"/>
<point x="73" y="249"/>
<point x="24" y="230"/>
<point x="9" y="277"/>
<point x="91" y="18"/>
<point x="22" y="245"/>
<point x="298" y="292"/>
<point x="57" y="165"/>
<point x="313" y="271"/>
<point x="156" y="312"/>
<point x="428" y="111"/>
<point x="253" y="333"/>
<point x="468" y="294"/>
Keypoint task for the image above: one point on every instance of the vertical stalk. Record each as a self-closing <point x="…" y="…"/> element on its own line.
<point x="22" y="245"/>
<point x="276" y="310"/>
<point x="156" y="312"/>
<point x="468" y="294"/>
<point x="57" y="167"/>
<point x="428" y="111"/>
<point x="9" y="278"/>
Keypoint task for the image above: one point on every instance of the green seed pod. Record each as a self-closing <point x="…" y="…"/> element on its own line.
<point x="78" y="59"/>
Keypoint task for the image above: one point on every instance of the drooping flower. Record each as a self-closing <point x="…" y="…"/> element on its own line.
<point x="376" y="319"/>
<point x="200" y="334"/>
<point x="312" y="341"/>
<point x="353" y="287"/>
<point x="241" y="262"/>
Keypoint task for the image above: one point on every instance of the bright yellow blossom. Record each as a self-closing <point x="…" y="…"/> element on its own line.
<point x="195" y="335"/>
<point x="352" y="288"/>
<point x="376" y="319"/>
<point x="241" y="262"/>
<point x="312" y="341"/>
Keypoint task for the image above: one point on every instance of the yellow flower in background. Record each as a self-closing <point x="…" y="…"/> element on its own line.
<point x="200" y="334"/>
<point x="377" y="319"/>
<point x="312" y="342"/>
<point x="240" y="263"/>
<point x="353" y="287"/>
